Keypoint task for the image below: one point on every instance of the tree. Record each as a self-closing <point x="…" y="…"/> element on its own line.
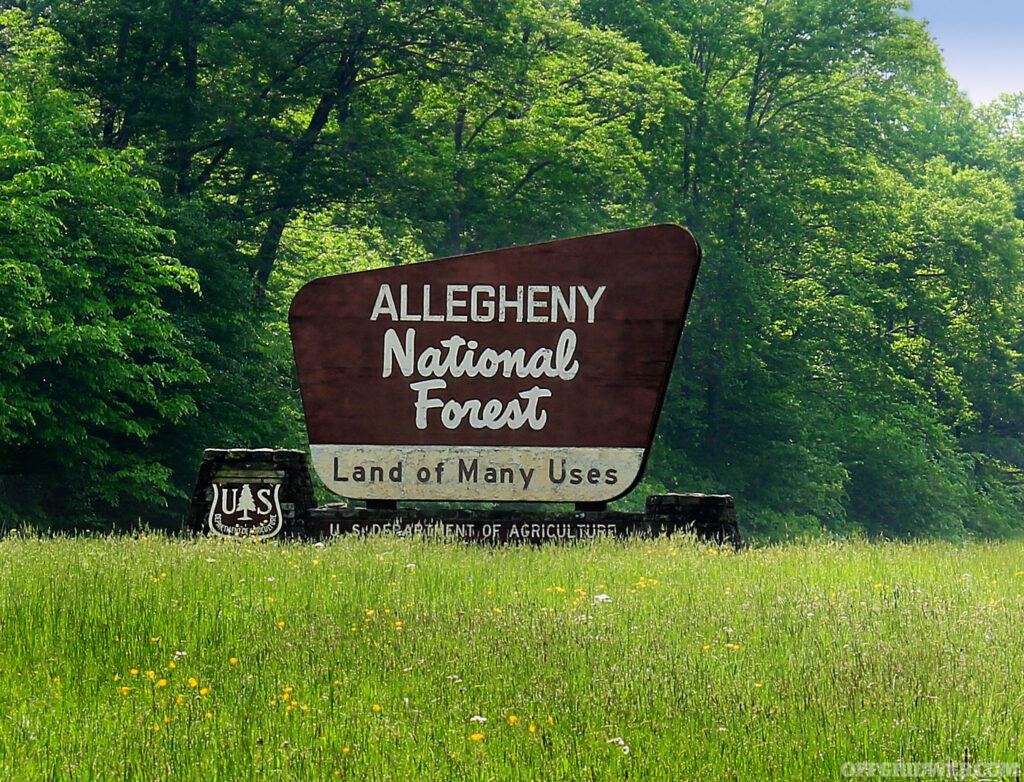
<point x="260" y="102"/>
<point x="246" y="503"/>
<point x="813" y="168"/>
<point x="90" y="361"/>
<point x="535" y="139"/>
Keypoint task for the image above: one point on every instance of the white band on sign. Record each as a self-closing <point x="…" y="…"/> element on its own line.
<point x="466" y="473"/>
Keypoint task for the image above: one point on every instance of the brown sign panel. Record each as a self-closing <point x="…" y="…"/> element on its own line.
<point x="527" y="374"/>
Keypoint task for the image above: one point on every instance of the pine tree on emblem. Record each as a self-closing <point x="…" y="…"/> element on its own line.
<point x="246" y="503"/>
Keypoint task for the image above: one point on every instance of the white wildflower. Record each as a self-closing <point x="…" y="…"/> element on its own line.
<point x="621" y="742"/>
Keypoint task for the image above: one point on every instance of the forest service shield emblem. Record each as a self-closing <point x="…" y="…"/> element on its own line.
<point x="249" y="509"/>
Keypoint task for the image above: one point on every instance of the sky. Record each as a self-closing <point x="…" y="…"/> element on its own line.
<point x="982" y="41"/>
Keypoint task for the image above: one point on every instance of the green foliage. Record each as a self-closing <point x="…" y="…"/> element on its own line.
<point x="842" y="340"/>
<point x="91" y="364"/>
<point x="535" y="140"/>
<point x="853" y="357"/>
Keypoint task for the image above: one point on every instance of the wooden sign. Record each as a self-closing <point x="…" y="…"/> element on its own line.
<point x="527" y="374"/>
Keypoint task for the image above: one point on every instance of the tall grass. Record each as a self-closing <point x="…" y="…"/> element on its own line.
<point x="386" y="658"/>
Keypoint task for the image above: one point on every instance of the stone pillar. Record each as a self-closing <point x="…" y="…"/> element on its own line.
<point x="254" y="493"/>
<point x="708" y="516"/>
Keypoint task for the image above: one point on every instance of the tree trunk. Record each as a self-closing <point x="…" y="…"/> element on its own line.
<point x="455" y="214"/>
<point x="291" y="184"/>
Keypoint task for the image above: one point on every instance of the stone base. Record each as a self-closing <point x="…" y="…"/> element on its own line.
<point x="271" y="487"/>
<point x="263" y="493"/>
<point x="710" y="517"/>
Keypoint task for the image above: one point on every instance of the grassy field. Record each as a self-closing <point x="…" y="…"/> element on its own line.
<point x="383" y="658"/>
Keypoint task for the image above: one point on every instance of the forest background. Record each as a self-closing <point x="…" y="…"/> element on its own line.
<point x="172" y="171"/>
